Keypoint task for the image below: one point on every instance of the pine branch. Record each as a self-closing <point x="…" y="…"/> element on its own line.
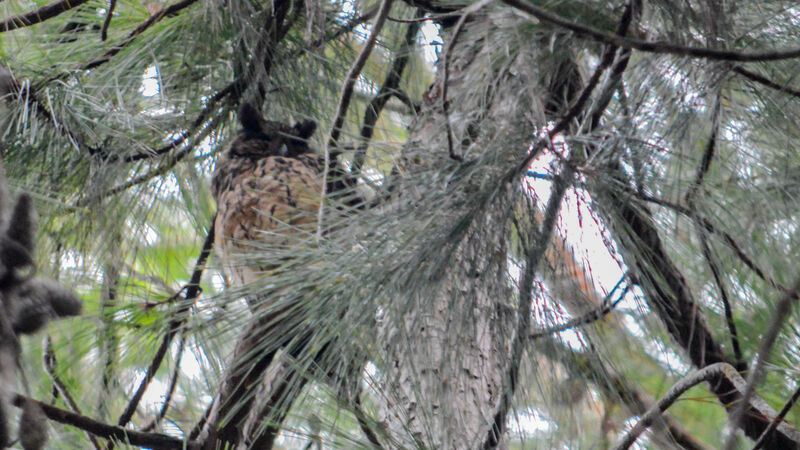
<point x="651" y="47"/>
<point x="151" y="440"/>
<point x="711" y="228"/>
<point x="173" y="384"/>
<point x="690" y="200"/>
<point x="171" y="9"/>
<point x="40" y="15"/>
<point x="756" y="78"/>
<point x="344" y="101"/>
<point x="709" y="373"/>
<point x="389" y="87"/>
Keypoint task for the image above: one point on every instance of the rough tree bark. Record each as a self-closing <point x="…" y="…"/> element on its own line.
<point x="447" y="348"/>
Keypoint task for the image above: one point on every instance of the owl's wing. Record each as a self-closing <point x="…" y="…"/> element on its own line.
<point x="274" y="203"/>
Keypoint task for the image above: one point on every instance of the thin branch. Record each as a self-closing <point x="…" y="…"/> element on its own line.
<point x="237" y="86"/>
<point x="49" y="363"/>
<point x="710" y="227"/>
<point x="754" y="376"/>
<point x="232" y="91"/>
<point x="107" y="22"/>
<point x="344" y="101"/>
<point x="614" y="387"/>
<point x="151" y="440"/>
<point x="158" y="171"/>
<point x="355" y="71"/>
<point x="192" y="292"/>
<point x="406" y="100"/>
<point x="605" y="62"/>
<point x="723" y="294"/>
<point x="349" y="27"/>
<point x="577" y="109"/>
<point x="390" y="84"/>
<point x="690" y="200"/>
<point x="590" y="317"/>
<point x="533" y="256"/>
<point x="752" y="76"/>
<point x="231" y="88"/>
<point x="651" y="47"/>
<point x="708" y="373"/>
<point x="670" y="298"/>
<point x="778" y="419"/>
<point x="708" y="156"/>
<point x="173" y="384"/>
<point x="40" y="15"/>
<point x="141" y="28"/>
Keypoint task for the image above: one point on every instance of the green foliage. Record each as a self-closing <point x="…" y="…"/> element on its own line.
<point x="123" y="218"/>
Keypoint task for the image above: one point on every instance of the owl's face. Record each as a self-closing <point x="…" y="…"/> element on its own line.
<point x="259" y="138"/>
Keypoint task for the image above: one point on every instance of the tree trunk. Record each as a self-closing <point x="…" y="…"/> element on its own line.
<point x="447" y="344"/>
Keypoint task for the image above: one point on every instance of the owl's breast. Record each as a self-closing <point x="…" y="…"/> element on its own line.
<point x="270" y="202"/>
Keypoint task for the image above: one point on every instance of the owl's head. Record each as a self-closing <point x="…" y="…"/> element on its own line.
<point x="259" y="138"/>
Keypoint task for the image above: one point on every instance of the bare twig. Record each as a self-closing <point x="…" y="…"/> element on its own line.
<point x="390" y="85"/>
<point x="754" y="376"/>
<point x="104" y="30"/>
<point x="141" y="28"/>
<point x="778" y="419"/>
<point x="590" y="317"/>
<point x="651" y="47"/>
<point x="39" y="15"/>
<point x="344" y="101"/>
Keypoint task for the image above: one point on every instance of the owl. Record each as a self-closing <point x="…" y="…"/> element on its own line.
<point x="268" y="188"/>
<point x="268" y="185"/>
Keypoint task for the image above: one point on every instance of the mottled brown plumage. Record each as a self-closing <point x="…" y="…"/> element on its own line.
<point x="268" y="186"/>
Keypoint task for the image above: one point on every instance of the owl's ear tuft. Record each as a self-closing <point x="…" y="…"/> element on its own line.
<point x="305" y="128"/>
<point x="250" y="117"/>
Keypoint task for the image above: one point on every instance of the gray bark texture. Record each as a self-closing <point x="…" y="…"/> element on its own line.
<point x="447" y="346"/>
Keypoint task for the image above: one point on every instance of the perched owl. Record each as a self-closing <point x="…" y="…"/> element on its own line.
<point x="268" y="187"/>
